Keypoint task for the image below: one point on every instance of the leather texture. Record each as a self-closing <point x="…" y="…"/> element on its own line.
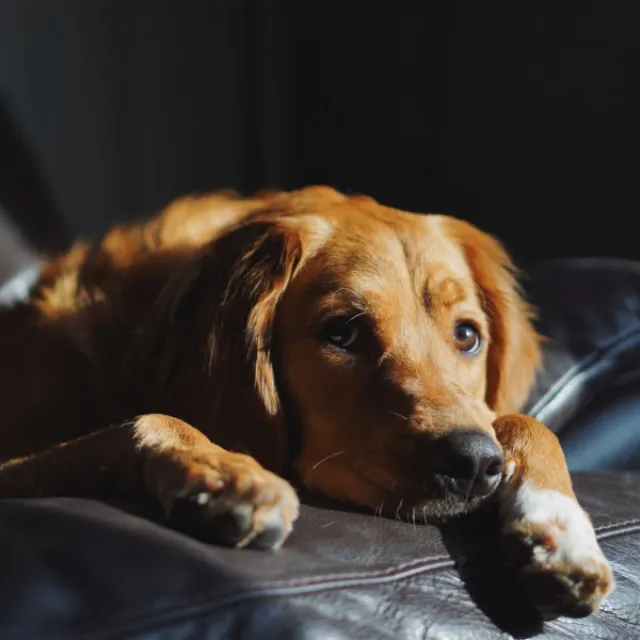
<point x="80" y="569"/>
<point x="589" y="388"/>
<point x="606" y="434"/>
<point x="589" y="314"/>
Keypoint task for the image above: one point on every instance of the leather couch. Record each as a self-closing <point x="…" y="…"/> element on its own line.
<point x="82" y="569"/>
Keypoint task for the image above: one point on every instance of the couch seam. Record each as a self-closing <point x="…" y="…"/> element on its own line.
<point x="619" y="532"/>
<point x="268" y="590"/>
<point x="615" y="525"/>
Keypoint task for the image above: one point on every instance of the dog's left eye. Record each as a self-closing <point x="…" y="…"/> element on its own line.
<point x="468" y="338"/>
<point x="343" y="332"/>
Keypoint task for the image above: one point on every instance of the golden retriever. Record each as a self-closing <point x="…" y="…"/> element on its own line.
<point x="367" y="354"/>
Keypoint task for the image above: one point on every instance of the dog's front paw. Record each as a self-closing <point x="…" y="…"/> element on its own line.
<point x="227" y="498"/>
<point x="552" y="542"/>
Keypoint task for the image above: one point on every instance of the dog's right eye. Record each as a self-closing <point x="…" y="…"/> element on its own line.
<point x="343" y="332"/>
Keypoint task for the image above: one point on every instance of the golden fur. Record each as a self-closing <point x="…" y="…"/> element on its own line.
<point x="188" y="358"/>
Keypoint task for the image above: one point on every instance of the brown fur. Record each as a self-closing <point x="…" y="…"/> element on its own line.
<point x="208" y="315"/>
<point x="533" y="448"/>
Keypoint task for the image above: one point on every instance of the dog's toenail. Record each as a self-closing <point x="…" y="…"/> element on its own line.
<point x="203" y="498"/>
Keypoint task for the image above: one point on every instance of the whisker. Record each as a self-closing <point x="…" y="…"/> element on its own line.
<point x="398" y="415"/>
<point x="339" y="453"/>
<point x="331" y="455"/>
<point x="398" y="509"/>
<point x="358" y="315"/>
<point x="356" y="302"/>
<point x="336" y="292"/>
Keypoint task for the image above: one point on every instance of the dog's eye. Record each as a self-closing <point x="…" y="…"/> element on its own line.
<point x="468" y="338"/>
<point x="343" y="332"/>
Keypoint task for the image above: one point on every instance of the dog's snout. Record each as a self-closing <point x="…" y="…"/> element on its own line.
<point x="471" y="463"/>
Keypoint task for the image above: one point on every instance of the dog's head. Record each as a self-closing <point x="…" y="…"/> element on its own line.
<point x="370" y="347"/>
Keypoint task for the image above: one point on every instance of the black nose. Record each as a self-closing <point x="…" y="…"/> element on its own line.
<point x="470" y="463"/>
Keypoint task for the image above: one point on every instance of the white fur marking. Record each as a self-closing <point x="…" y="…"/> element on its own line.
<point x="563" y="518"/>
<point x="509" y="468"/>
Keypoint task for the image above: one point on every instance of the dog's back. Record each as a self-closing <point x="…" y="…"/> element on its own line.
<point x="64" y="345"/>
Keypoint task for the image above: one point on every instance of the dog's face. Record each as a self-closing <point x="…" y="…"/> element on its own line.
<point x="383" y="345"/>
<point x="388" y="342"/>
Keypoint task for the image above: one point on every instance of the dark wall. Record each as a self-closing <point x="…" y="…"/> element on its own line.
<point x="127" y="103"/>
<point x="520" y="117"/>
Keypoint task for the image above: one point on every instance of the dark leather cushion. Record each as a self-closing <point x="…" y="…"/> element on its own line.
<point x="589" y="313"/>
<point x="80" y="569"/>
<point x="606" y="434"/>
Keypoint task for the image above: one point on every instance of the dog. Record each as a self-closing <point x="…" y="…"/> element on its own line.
<point x="229" y="349"/>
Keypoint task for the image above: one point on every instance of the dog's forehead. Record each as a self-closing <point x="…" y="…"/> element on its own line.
<point x="396" y="244"/>
<point x="374" y="250"/>
<point x="431" y="250"/>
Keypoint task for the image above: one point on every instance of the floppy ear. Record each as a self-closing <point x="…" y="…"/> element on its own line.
<point x="257" y="282"/>
<point x="514" y="353"/>
<point x="213" y="326"/>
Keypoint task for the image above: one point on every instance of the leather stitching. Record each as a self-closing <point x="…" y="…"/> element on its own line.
<point x="619" y="532"/>
<point x="615" y="525"/>
<point x="205" y="603"/>
<point x="423" y="564"/>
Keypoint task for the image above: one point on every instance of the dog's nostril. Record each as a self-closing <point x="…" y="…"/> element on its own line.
<point x="494" y="468"/>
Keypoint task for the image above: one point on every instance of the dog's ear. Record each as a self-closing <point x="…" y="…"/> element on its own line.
<point x="215" y="323"/>
<point x="257" y="282"/>
<point x="514" y="352"/>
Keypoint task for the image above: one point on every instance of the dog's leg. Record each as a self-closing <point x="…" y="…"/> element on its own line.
<point x="227" y="497"/>
<point x="551" y="536"/>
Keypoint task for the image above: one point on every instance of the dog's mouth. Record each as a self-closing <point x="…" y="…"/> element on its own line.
<point x="416" y="500"/>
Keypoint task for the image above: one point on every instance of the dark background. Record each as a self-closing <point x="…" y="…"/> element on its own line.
<point x="520" y="117"/>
